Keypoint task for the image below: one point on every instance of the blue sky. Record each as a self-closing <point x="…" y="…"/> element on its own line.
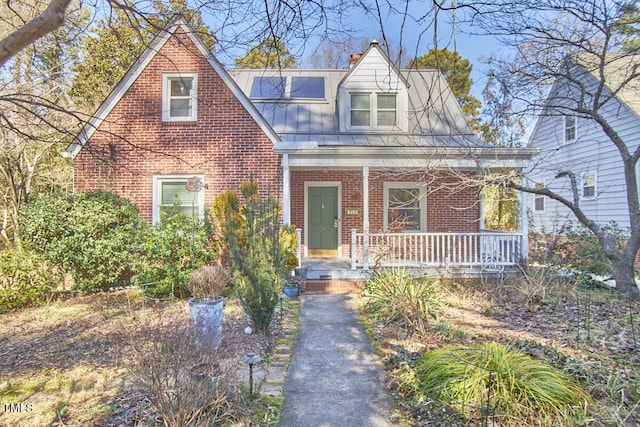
<point x="418" y="39"/>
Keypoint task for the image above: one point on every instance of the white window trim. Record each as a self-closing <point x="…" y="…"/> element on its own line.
<point x="373" y="111"/>
<point x="157" y="194"/>
<point x="538" y="197"/>
<point x="564" y="129"/>
<point x="595" y="185"/>
<point x="423" y="202"/>
<point x="166" y="91"/>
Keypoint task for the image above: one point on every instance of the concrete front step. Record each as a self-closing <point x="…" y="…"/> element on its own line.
<point x="333" y="287"/>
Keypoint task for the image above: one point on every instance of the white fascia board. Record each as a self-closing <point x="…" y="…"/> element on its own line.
<point x="398" y="163"/>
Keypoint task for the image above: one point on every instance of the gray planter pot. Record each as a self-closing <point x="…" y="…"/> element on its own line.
<point x="206" y="318"/>
<point x="291" y="291"/>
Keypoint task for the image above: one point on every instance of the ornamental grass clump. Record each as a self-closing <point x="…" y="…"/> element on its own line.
<point x="494" y="379"/>
<point x="396" y="296"/>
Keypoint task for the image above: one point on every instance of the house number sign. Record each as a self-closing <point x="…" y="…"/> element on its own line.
<point x="352" y="212"/>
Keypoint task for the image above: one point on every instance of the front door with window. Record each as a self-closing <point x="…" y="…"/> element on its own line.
<point x="323" y="221"/>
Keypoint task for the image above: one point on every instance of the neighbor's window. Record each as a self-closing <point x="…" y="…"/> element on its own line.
<point x="173" y="190"/>
<point x="538" y="200"/>
<point x="589" y="185"/>
<point x="179" y="100"/>
<point x="570" y="129"/>
<point x="405" y="206"/>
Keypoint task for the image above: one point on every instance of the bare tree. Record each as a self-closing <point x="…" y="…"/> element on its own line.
<point x="570" y="60"/>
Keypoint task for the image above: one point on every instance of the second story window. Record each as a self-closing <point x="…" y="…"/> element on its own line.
<point x="538" y="200"/>
<point x="570" y="129"/>
<point x="360" y="109"/>
<point x="386" y="114"/>
<point x="589" y="186"/>
<point x="373" y="110"/>
<point x="179" y="97"/>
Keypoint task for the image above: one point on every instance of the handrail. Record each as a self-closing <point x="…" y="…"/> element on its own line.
<point x="436" y="249"/>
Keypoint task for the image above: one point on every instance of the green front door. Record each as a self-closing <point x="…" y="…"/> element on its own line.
<point x="323" y="221"/>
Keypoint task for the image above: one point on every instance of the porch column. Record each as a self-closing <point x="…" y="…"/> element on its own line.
<point x="524" y="223"/>
<point x="286" y="191"/>
<point x="365" y="217"/>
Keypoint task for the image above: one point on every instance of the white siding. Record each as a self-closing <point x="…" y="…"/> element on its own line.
<point x="592" y="152"/>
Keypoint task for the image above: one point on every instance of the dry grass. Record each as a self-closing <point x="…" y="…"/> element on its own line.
<point x="72" y="362"/>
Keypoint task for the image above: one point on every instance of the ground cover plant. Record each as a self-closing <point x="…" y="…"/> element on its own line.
<point x="582" y="335"/>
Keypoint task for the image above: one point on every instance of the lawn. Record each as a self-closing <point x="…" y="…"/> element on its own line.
<point x="585" y="331"/>
<point x="72" y="362"/>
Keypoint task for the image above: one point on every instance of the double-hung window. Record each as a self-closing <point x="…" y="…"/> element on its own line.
<point x="373" y="110"/>
<point x="405" y="206"/>
<point x="178" y="192"/>
<point x="538" y="199"/>
<point x="570" y="129"/>
<point x="588" y="191"/>
<point x="179" y="97"/>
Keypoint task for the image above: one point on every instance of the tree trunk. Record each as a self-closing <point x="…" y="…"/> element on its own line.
<point x="625" y="281"/>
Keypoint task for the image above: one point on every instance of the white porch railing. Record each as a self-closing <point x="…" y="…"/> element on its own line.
<point x="484" y="249"/>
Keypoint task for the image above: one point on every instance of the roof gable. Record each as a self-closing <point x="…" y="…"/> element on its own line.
<point x="138" y="68"/>
<point x="374" y="67"/>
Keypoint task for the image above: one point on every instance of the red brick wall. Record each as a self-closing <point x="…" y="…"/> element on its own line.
<point x="133" y="144"/>
<point x="450" y="207"/>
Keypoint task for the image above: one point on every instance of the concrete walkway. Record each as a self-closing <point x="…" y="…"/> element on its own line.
<point x="335" y="378"/>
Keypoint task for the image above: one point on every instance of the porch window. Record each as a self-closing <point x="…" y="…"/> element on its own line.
<point x="169" y="190"/>
<point x="538" y="200"/>
<point x="405" y="207"/>
<point x="179" y="101"/>
<point x="570" y="129"/>
<point x="589" y="186"/>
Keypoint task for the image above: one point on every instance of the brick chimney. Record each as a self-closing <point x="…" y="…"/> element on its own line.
<point x="353" y="58"/>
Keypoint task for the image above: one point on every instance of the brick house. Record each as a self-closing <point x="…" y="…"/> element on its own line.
<point x="373" y="164"/>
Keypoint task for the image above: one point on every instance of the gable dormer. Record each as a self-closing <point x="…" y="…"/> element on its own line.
<point x="373" y="97"/>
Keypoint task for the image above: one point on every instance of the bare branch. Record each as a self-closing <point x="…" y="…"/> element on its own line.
<point x="49" y="20"/>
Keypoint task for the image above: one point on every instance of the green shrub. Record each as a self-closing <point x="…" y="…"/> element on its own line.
<point x="170" y="251"/>
<point x="395" y="295"/>
<point x="522" y="389"/>
<point x="585" y="253"/>
<point x="260" y="265"/>
<point x="93" y="235"/>
<point x="25" y="279"/>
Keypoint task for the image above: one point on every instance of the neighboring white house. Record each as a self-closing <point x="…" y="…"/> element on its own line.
<point x="573" y="145"/>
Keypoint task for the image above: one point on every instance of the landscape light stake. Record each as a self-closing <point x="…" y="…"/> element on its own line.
<point x="281" y="296"/>
<point x="633" y="329"/>
<point x="251" y="359"/>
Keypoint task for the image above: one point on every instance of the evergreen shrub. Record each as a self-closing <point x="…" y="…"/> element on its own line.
<point x="93" y="236"/>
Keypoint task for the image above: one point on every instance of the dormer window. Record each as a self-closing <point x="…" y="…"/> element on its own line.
<point x="179" y="97"/>
<point x="373" y="110"/>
